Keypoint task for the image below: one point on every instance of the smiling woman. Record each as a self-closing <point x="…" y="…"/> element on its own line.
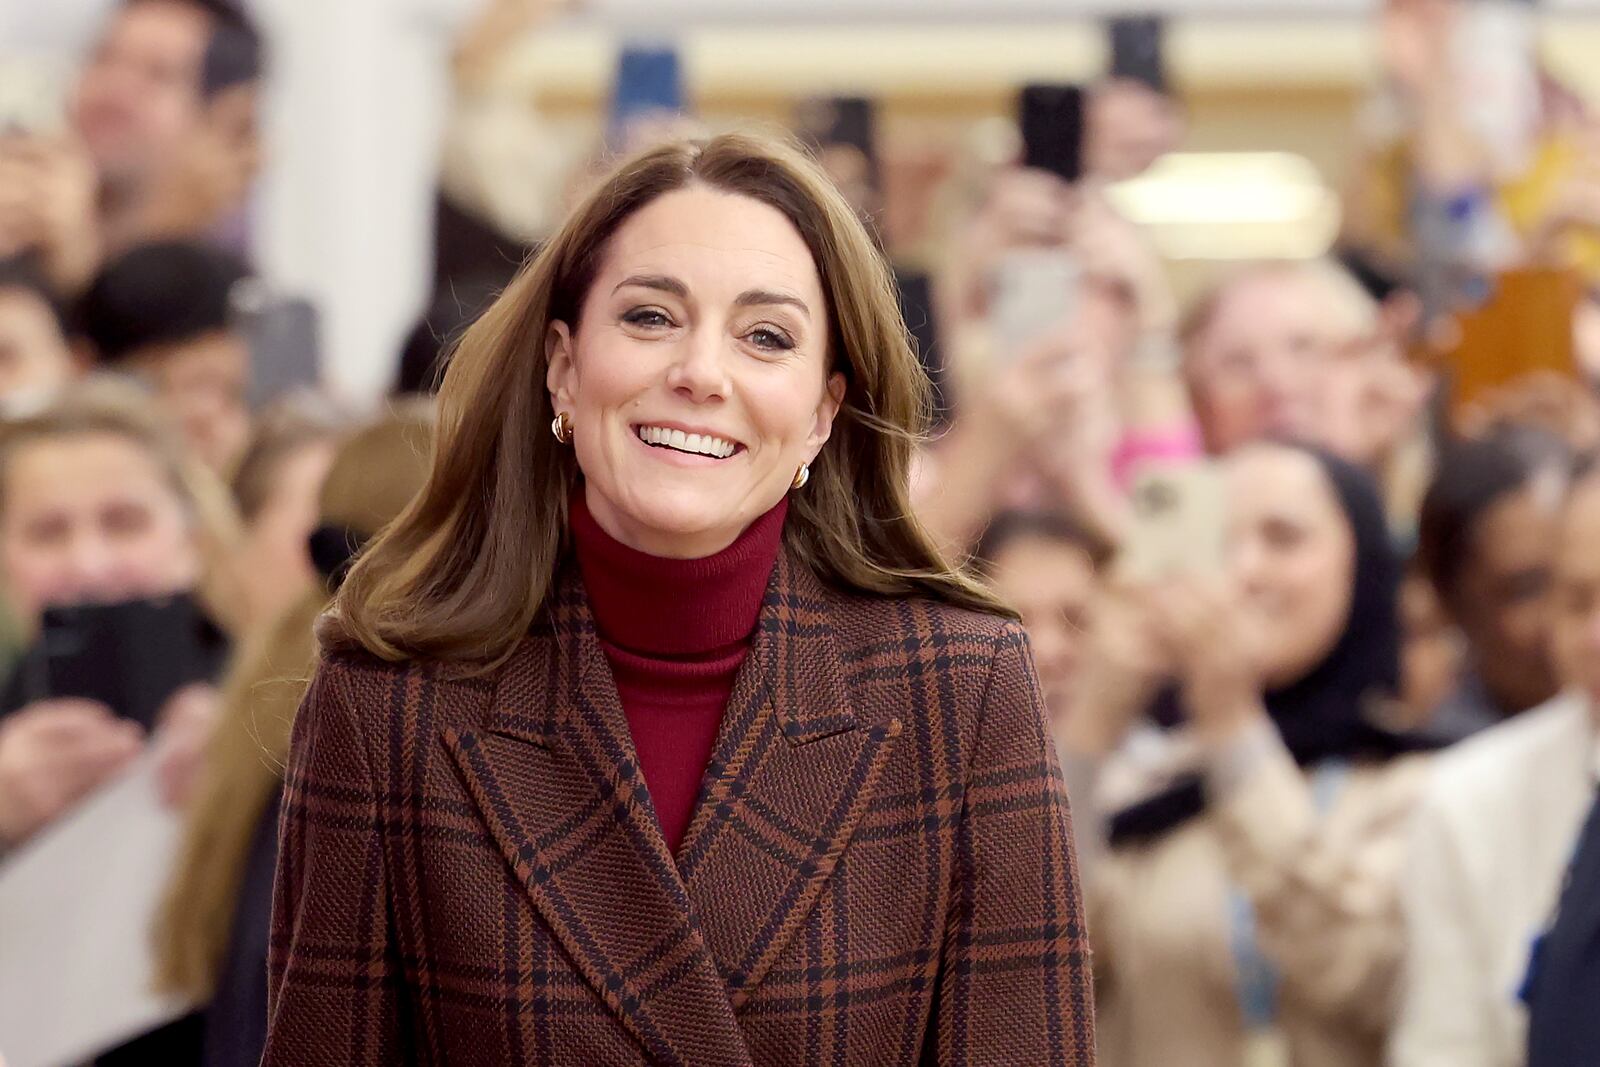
<point x="696" y="398"/>
<point x="665" y="735"/>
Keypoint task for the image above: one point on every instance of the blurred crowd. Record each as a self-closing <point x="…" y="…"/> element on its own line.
<point x="1309" y="558"/>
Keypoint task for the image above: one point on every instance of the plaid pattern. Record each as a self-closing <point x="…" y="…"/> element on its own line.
<point x="879" y="868"/>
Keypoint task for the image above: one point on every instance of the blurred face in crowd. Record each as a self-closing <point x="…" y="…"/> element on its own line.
<point x="203" y="384"/>
<point x="1430" y="658"/>
<point x="1502" y="602"/>
<point x="697" y="377"/>
<point x="1261" y="366"/>
<point x="1050" y="582"/>
<point x="1292" y="552"/>
<point x="34" y="358"/>
<point x="1576" y="629"/>
<point x="139" y="94"/>
<point x="91" y="518"/>
<point x="274" y="564"/>
<point x="1129" y="127"/>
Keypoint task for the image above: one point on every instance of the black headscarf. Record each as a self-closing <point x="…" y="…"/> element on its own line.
<point x="1325" y="714"/>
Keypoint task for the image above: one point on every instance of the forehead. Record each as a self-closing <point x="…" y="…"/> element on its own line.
<point x="1032" y="558"/>
<point x="1269" y="480"/>
<point x="96" y="460"/>
<point x="219" y="352"/>
<point x="1267" y="297"/>
<point x="171" y="25"/>
<point x="712" y="239"/>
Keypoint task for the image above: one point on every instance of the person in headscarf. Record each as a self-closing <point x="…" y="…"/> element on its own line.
<point x="1240" y="801"/>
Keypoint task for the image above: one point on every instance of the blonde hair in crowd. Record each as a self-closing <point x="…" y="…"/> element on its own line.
<point x="120" y="407"/>
<point x="462" y="574"/>
<point x="375" y="472"/>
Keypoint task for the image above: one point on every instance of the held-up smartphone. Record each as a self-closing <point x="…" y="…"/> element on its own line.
<point x="1035" y="289"/>
<point x="281" y="334"/>
<point x="1524" y="327"/>
<point x="1179" y="517"/>
<point x="649" y="84"/>
<point x="1137" y="51"/>
<point x="1051" y="119"/>
<point x="129" y="656"/>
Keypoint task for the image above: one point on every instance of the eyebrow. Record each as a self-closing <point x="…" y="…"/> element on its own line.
<point x="749" y="298"/>
<point x="665" y="283"/>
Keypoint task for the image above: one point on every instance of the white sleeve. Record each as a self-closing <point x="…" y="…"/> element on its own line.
<point x="1446" y="1019"/>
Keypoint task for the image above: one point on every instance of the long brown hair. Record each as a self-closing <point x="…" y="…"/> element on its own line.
<point x="461" y="575"/>
<point x="375" y="472"/>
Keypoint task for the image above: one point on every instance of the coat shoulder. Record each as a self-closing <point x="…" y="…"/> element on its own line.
<point x="864" y="622"/>
<point x="372" y="688"/>
<point x="906" y="652"/>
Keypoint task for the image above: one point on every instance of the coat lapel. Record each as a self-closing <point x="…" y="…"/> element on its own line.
<point x="555" y="776"/>
<point x="790" y="776"/>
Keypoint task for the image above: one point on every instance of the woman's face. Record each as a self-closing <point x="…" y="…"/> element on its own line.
<point x="92" y="518"/>
<point x="1292" y="552"/>
<point x="1050" y="582"/>
<point x="697" y="379"/>
<point x="1261" y="367"/>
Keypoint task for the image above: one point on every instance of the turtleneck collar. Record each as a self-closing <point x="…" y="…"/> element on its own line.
<point x="655" y="607"/>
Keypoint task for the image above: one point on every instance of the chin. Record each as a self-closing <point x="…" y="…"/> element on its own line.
<point x="685" y="511"/>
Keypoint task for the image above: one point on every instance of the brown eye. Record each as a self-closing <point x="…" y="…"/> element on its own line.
<point x="770" y="340"/>
<point x="648" y="318"/>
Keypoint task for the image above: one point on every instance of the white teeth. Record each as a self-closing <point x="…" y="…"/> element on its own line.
<point x="700" y="444"/>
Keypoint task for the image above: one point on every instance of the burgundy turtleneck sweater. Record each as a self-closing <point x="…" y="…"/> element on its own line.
<point x="675" y="632"/>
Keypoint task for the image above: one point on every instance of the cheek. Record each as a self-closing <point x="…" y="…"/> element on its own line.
<point x="1304" y="597"/>
<point x="782" y="408"/>
<point x="1320" y="590"/>
<point x="31" y="575"/>
<point x="165" y="557"/>
<point x="612" y="372"/>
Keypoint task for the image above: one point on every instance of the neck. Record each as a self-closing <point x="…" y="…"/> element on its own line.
<point x="667" y="606"/>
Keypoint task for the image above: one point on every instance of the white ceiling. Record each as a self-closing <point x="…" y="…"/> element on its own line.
<point x="663" y="14"/>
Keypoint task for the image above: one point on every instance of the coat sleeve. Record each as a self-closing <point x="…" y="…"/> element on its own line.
<point x="1445" y="1020"/>
<point x="1014" y="982"/>
<point x="1327" y="905"/>
<point x="334" y="981"/>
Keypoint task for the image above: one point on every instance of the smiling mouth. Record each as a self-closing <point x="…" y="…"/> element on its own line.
<point x="694" y="444"/>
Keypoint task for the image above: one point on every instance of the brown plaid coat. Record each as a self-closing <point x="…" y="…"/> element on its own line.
<point x="879" y="869"/>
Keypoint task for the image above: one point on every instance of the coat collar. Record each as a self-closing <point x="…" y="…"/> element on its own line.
<point x="675" y="945"/>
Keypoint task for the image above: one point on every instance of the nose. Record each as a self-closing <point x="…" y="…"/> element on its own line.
<point x="91" y="571"/>
<point x="699" y="372"/>
<point x="1245" y="557"/>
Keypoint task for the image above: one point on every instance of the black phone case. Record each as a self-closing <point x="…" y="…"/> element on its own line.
<point x="1051" y="120"/>
<point x="130" y="656"/>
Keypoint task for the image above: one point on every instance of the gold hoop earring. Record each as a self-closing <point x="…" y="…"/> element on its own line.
<point x="561" y="427"/>
<point x="801" y="477"/>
